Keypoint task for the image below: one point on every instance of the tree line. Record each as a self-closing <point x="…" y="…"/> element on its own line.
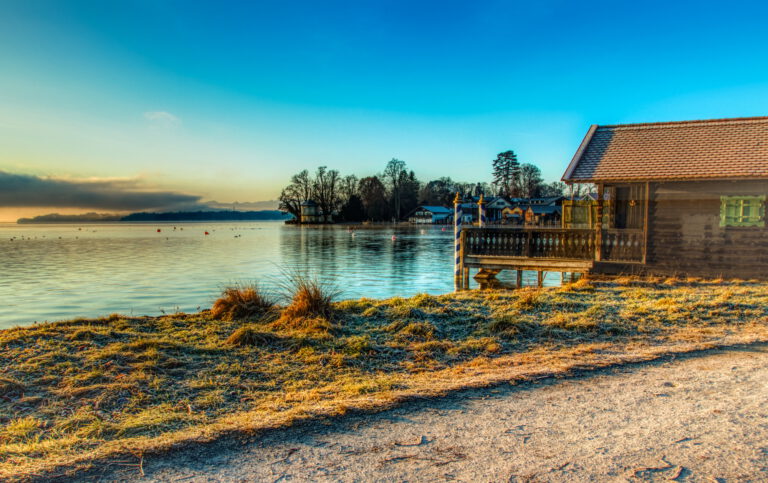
<point x="396" y="191"/>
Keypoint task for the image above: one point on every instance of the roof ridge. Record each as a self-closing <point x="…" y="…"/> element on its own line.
<point x="725" y="120"/>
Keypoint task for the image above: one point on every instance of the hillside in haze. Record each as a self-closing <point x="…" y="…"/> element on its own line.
<point x="263" y="215"/>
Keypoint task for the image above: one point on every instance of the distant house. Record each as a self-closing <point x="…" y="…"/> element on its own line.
<point x="311" y="212"/>
<point x="532" y="214"/>
<point x="514" y="215"/>
<point x="495" y="206"/>
<point x="543" y="215"/>
<point x="678" y="197"/>
<point x="427" y="214"/>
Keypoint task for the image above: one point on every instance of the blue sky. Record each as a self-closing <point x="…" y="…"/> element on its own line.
<point x="225" y="100"/>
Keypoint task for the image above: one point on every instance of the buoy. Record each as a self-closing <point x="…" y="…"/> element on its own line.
<point x="158" y="230"/>
<point x="394" y="238"/>
<point x="206" y="233"/>
<point x="443" y="228"/>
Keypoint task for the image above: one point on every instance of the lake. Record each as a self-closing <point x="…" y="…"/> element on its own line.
<point x="55" y="272"/>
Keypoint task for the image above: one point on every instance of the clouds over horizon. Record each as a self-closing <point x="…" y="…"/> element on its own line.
<point x="120" y="194"/>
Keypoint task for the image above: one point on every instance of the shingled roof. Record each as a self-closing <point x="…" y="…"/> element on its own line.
<point x="711" y="149"/>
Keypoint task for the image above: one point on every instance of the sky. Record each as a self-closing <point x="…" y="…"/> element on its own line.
<point x="152" y="104"/>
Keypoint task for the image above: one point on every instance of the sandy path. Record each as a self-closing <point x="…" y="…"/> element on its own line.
<point x="697" y="418"/>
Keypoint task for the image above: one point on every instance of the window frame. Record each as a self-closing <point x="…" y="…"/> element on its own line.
<point x="741" y="220"/>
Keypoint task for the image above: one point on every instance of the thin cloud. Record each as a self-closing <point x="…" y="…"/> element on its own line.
<point x="162" y="117"/>
<point x="244" y="205"/>
<point x="19" y="190"/>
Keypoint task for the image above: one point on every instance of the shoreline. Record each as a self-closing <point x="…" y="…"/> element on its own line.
<point x="153" y="383"/>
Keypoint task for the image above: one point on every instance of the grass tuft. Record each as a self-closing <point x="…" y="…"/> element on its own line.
<point x="242" y="301"/>
<point x="310" y="297"/>
<point x="20" y="430"/>
<point x="528" y="299"/>
<point x="417" y="331"/>
<point x="251" y="336"/>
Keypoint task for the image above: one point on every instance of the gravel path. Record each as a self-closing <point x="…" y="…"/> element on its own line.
<point x="697" y="418"/>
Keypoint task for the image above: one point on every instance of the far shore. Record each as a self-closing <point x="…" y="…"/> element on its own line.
<point x="91" y="391"/>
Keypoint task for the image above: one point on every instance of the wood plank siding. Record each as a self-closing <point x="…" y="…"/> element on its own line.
<point x="685" y="236"/>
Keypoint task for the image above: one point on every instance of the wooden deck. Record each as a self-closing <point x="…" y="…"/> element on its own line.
<point x="493" y="249"/>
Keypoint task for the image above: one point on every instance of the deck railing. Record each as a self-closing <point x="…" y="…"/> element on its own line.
<point x="530" y="243"/>
<point x="574" y="244"/>
<point x="623" y="245"/>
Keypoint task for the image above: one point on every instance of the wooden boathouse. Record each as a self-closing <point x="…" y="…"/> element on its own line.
<point x="673" y="198"/>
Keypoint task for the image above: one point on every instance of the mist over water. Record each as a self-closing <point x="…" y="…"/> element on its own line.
<point x="56" y="272"/>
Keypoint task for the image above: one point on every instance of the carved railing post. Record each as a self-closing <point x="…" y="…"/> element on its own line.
<point x="599" y="223"/>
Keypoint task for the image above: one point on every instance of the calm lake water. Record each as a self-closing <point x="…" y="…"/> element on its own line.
<point x="55" y="272"/>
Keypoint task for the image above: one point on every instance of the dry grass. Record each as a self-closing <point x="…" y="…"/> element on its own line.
<point x="252" y="336"/>
<point x="310" y="298"/>
<point x="242" y="301"/>
<point x="311" y="308"/>
<point x="74" y="392"/>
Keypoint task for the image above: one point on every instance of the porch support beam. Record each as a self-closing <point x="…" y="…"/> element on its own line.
<point x="599" y="223"/>
<point x="646" y="220"/>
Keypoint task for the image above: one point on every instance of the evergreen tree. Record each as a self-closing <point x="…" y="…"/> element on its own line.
<point x="374" y="197"/>
<point x="506" y="172"/>
<point x="353" y="209"/>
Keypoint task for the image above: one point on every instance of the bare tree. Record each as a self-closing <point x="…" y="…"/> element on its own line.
<point x="298" y="191"/>
<point x="348" y="187"/>
<point x="395" y="176"/>
<point x="325" y="189"/>
<point x="529" y="182"/>
<point x="290" y="201"/>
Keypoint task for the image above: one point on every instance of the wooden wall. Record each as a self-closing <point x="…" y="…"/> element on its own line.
<point x="685" y="236"/>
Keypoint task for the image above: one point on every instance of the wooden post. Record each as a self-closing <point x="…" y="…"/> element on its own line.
<point x="457" y="256"/>
<point x="599" y="223"/>
<point x="646" y="221"/>
<point x="462" y="253"/>
<point x="540" y="278"/>
<point x="481" y="211"/>
<point x="519" y="278"/>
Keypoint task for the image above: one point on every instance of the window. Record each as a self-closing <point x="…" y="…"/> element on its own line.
<point x="742" y="211"/>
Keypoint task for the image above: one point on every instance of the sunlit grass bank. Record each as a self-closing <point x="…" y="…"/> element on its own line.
<point x="77" y="391"/>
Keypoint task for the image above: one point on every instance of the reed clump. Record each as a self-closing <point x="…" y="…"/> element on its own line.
<point x="242" y="301"/>
<point x="311" y="306"/>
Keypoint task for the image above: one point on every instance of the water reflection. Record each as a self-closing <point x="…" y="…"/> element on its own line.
<point x="52" y="272"/>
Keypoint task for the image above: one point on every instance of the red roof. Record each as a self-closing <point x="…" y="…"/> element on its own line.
<point x="711" y="149"/>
